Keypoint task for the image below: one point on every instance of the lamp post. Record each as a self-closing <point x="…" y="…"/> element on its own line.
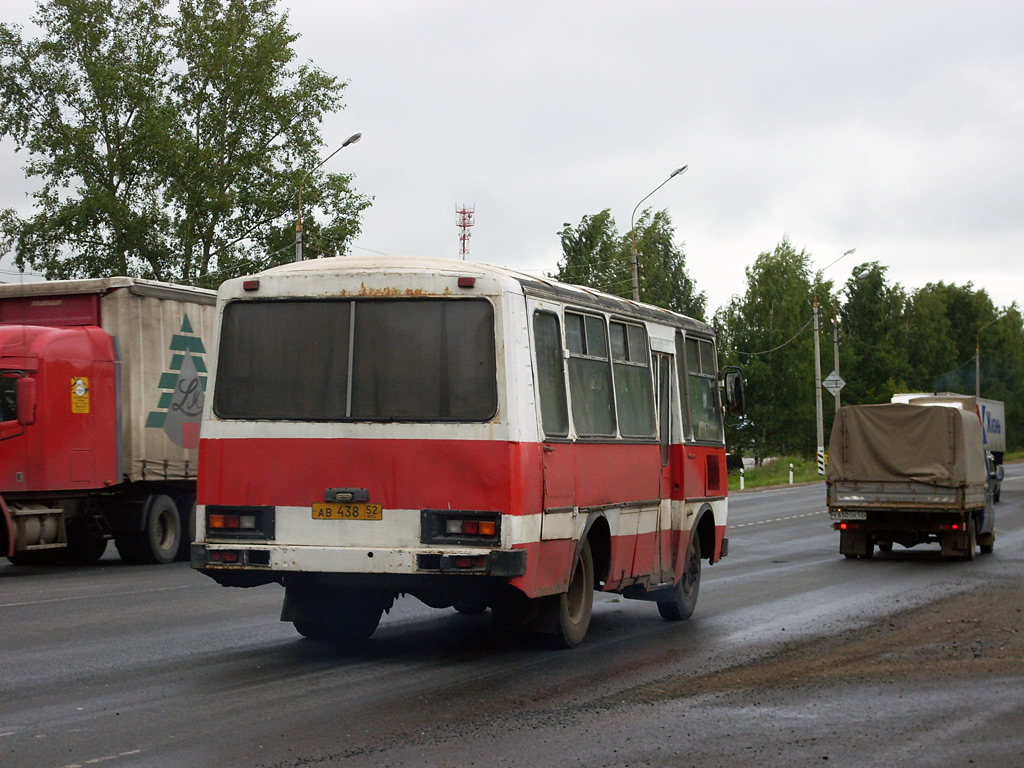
<point x="817" y="374"/>
<point x="977" y="355"/>
<point x="835" y="334"/>
<point x="632" y="234"/>
<point x="298" y="209"/>
<point x="817" y="393"/>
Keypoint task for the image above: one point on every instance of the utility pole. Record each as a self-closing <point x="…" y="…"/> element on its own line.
<point x="817" y="367"/>
<point x="835" y="347"/>
<point x="817" y="392"/>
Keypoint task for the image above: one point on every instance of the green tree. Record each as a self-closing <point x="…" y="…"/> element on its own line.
<point x="85" y="102"/>
<point x="596" y="255"/>
<point x="873" y="359"/>
<point x="955" y="333"/>
<point x="592" y="255"/>
<point x="664" y="280"/>
<point x="768" y="333"/>
<point x="169" y="146"/>
<point x="953" y="314"/>
<point x="931" y="350"/>
<point x="1000" y="348"/>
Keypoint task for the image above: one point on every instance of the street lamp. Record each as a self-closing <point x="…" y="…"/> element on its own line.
<point x="835" y="333"/>
<point x="632" y="233"/>
<point x="298" y="209"/>
<point x="817" y="373"/>
<point x="977" y="355"/>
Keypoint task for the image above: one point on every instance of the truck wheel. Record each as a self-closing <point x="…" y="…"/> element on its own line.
<point x="683" y="598"/>
<point x="885" y="546"/>
<point x="972" y="539"/>
<point x="36" y="557"/>
<point x="187" y="516"/>
<point x="158" y="543"/>
<point x="987" y="542"/>
<point x="127" y="548"/>
<point x="85" y="549"/>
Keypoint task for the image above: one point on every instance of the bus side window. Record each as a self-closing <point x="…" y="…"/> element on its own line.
<point x="634" y="393"/>
<point x="702" y="391"/>
<point x="547" y="339"/>
<point x="590" y="375"/>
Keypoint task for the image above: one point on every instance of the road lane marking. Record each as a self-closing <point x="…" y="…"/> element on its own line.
<point x="97" y="760"/>
<point x="90" y="597"/>
<point x="779" y="519"/>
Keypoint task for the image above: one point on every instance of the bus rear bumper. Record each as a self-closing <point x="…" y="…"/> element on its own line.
<point x="273" y="559"/>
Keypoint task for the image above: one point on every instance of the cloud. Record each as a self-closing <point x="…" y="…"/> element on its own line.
<point x="890" y="127"/>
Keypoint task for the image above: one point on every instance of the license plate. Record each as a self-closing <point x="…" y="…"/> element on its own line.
<point x="332" y="510"/>
<point x="848" y="515"/>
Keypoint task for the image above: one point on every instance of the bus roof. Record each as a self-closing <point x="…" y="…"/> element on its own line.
<point x="531" y="285"/>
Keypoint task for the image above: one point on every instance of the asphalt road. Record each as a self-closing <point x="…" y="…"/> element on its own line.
<point x="116" y="665"/>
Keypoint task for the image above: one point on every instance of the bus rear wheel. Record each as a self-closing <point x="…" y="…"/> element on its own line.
<point x="334" y="614"/>
<point x="573" y="608"/>
<point x="354" y="627"/>
<point x="682" y="598"/>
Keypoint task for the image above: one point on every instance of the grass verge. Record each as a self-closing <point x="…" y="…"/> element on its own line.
<point x="776" y="472"/>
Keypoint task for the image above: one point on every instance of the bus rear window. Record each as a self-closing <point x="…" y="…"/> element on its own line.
<point x="360" y="360"/>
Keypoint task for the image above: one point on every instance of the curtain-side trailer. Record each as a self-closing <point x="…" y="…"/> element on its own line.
<point x="101" y="393"/>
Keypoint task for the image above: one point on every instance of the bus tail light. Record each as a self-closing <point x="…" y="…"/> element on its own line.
<point x="223" y="522"/>
<point x="256" y="557"/>
<point x="477" y="563"/>
<point x="460" y="527"/>
<point x="234" y="522"/>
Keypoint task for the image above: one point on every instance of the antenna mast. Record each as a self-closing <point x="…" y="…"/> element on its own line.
<point x="467" y="218"/>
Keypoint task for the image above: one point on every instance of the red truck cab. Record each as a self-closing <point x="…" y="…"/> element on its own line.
<point x="65" y="378"/>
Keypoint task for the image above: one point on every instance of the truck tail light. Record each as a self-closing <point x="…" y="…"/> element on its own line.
<point x="848" y="526"/>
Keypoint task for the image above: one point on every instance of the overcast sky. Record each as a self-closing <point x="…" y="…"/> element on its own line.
<point x="896" y="128"/>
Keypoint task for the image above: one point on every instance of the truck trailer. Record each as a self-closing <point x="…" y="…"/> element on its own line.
<point x="101" y="395"/>
<point x="991" y="414"/>
<point x="908" y="474"/>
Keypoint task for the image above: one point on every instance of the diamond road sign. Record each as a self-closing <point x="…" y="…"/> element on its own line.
<point x="833" y="383"/>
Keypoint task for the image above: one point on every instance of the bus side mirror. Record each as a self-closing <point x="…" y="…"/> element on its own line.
<point x="734" y="404"/>
<point x="999" y="473"/>
<point x="26" y="399"/>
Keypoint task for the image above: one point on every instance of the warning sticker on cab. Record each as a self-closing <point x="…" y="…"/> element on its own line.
<point x="79" y="394"/>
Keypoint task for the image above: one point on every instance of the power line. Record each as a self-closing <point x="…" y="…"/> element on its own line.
<point x="773" y="349"/>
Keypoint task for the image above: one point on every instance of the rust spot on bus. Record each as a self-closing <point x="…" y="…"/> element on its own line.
<point x="391" y="292"/>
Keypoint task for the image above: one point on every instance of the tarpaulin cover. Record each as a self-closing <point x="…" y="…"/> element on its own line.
<point x="896" y="442"/>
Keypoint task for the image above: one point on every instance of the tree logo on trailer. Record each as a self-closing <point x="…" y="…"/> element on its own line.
<point x="184" y="389"/>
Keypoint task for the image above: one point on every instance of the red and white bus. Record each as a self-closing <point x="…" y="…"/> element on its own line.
<point x="466" y="434"/>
